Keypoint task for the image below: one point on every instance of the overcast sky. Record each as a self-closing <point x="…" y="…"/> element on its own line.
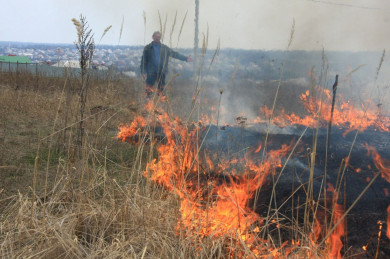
<point x="250" y="24"/>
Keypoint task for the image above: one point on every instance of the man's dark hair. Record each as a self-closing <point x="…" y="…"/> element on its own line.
<point x="156" y="32"/>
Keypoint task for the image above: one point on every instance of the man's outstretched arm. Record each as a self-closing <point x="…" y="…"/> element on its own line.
<point x="177" y="55"/>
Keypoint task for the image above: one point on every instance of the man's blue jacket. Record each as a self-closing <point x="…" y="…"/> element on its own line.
<point x="147" y="61"/>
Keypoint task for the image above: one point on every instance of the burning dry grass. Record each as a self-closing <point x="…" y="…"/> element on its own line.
<point x="347" y="115"/>
<point x="94" y="207"/>
<point x="99" y="206"/>
<point x="165" y="198"/>
<point x="214" y="195"/>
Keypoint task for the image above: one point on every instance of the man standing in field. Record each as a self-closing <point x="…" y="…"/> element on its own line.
<point x="154" y="63"/>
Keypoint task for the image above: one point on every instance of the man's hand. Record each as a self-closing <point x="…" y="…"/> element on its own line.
<point x="144" y="76"/>
<point x="189" y="59"/>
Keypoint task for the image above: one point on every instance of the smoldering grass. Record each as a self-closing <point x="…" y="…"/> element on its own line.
<point x="349" y="209"/>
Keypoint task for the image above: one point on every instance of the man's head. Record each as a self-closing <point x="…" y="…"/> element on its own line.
<point x="156" y="37"/>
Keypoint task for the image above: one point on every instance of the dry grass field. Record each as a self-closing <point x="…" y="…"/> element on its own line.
<point x="57" y="204"/>
<point x="100" y="200"/>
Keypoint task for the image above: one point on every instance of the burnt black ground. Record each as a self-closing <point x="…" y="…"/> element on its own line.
<point x="237" y="141"/>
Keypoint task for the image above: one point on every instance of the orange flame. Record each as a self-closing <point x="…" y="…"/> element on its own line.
<point x="128" y="131"/>
<point x="209" y="207"/>
<point x="335" y="238"/>
<point x="258" y="148"/>
<point x="345" y="114"/>
<point x="333" y="243"/>
<point x="388" y="223"/>
<point x="382" y="164"/>
<point x="212" y="207"/>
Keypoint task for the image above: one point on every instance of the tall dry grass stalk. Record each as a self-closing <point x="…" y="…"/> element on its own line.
<point x="86" y="47"/>
<point x="172" y="30"/>
<point x="105" y="32"/>
<point x="163" y="26"/>
<point x="50" y="145"/>
<point x="78" y="26"/>
<point x="196" y="36"/>
<point x="380" y="64"/>
<point x="121" y="30"/>
<point x="181" y="29"/>
<point x="144" y="16"/>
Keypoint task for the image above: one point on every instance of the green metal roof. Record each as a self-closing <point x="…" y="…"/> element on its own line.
<point x="15" y="59"/>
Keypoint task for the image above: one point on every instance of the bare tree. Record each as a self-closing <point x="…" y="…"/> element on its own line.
<point x="85" y="45"/>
